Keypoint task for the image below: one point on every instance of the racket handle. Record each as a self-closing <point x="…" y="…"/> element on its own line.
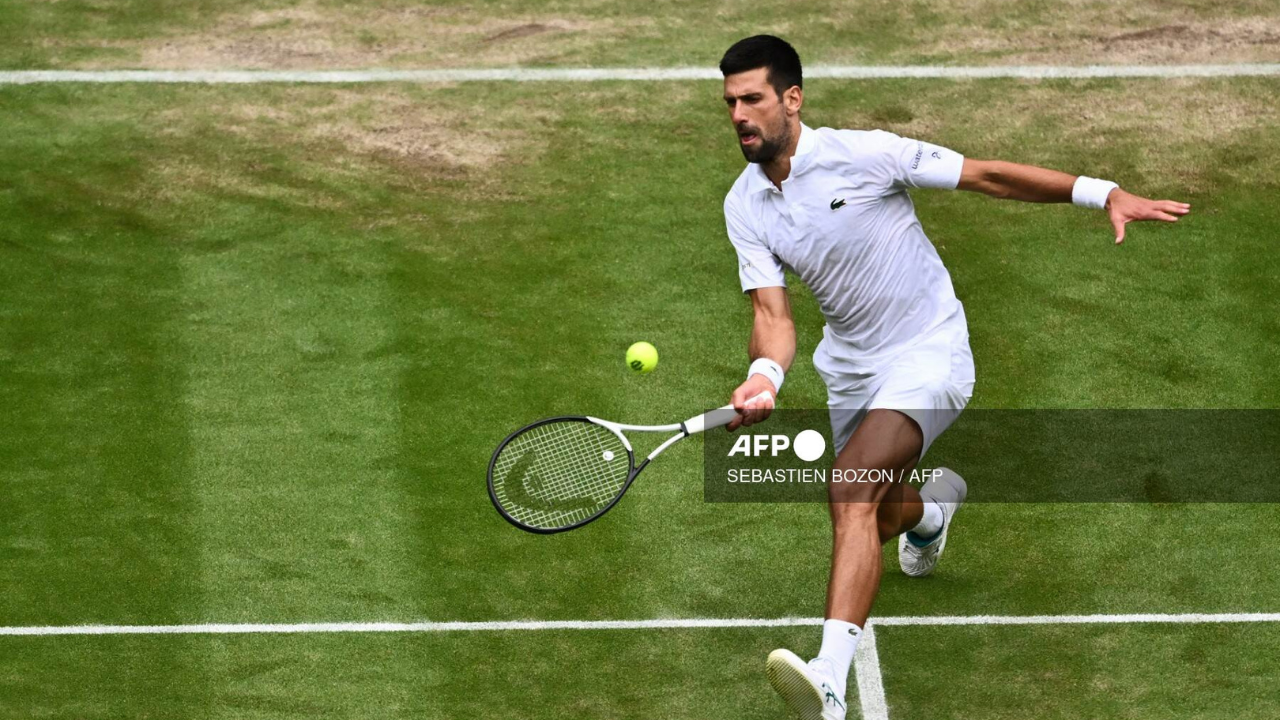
<point x="718" y="417"/>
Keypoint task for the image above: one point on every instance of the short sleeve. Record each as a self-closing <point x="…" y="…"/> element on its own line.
<point x="757" y="265"/>
<point x="918" y="164"/>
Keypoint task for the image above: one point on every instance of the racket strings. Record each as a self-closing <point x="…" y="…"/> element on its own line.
<point x="560" y="473"/>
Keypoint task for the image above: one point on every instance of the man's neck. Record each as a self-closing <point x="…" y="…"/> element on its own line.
<point x="779" y="168"/>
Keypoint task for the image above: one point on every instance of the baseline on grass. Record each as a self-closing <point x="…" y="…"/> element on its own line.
<point x="561" y="473"/>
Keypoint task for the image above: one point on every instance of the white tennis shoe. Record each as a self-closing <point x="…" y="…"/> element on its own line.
<point x="916" y="556"/>
<point x="808" y="688"/>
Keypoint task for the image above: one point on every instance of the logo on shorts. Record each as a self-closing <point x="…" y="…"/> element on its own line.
<point x="837" y="203"/>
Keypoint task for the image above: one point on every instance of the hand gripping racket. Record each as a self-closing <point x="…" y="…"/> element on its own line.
<point x="563" y="472"/>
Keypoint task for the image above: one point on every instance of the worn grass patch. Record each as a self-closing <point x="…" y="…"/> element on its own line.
<point x="1173" y="123"/>
<point x="1102" y="33"/>
<point x="398" y="33"/>
<point x="425" y="139"/>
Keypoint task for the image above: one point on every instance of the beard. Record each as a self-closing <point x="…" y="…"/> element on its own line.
<point x="770" y="145"/>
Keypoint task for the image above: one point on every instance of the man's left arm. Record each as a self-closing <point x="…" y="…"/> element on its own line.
<point x="1035" y="184"/>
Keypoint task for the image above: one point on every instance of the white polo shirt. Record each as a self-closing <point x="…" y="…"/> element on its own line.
<point x="844" y="223"/>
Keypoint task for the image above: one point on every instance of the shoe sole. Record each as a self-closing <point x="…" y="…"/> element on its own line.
<point x="783" y="669"/>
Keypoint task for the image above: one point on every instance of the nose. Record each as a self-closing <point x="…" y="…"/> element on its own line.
<point x="737" y="113"/>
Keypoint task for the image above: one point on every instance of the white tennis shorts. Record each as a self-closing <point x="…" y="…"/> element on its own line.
<point x="930" y="381"/>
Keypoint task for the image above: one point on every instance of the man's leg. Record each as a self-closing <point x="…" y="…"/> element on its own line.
<point x="885" y="440"/>
<point x="863" y="516"/>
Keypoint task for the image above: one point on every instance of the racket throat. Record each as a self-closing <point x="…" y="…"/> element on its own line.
<point x="658" y="450"/>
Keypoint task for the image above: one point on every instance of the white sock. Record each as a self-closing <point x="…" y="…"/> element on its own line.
<point x="931" y="522"/>
<point x="839" y="641"/>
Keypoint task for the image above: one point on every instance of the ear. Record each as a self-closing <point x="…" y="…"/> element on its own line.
<point x="793" y="98"/>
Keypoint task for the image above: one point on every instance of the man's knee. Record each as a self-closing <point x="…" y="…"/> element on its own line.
<point x="860" y="516"/>
<point x="854" y="519"/>
<point x="855" y="503"/>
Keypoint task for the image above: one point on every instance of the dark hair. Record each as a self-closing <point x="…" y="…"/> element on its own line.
<point x="765" y="51"/>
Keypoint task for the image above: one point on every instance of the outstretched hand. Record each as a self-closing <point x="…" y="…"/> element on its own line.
<point x="750" y="406"/>
<point x="1124" y="207"/>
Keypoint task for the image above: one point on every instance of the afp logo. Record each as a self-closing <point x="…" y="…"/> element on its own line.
<point x="809" y="445"/>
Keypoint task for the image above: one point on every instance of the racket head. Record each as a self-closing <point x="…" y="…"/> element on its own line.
<point x="559" y="474"/>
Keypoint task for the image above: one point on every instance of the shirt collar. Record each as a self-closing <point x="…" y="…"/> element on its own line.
<point x="758" y="181"/>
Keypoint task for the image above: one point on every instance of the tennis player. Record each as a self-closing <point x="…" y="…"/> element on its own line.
<point x="832" y="205"/>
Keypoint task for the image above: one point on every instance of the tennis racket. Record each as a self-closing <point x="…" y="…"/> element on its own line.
<point x="563" y="472"/>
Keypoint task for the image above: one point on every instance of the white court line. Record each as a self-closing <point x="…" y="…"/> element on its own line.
<point x="670" y="623"/>
<point x="1182" y="618"/>
<point x="410" y="627"/>
<point x="25" y="77"/>
<point x="866" y="663"/>
<point x="866" y="666"/>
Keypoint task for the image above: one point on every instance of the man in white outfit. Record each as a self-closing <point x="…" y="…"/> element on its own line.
<point x="832" y="206"/>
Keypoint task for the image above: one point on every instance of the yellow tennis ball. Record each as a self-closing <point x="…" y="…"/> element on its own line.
<point x="642" y="357"/>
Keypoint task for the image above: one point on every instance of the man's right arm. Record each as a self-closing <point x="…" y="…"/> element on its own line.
<point x="773" y="336"/>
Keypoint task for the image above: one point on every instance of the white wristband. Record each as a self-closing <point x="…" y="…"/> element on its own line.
<point x="769" y="369"/>
<point x="1091" y="192"/>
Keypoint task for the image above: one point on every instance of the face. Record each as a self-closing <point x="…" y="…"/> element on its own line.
<point x="760" y="117"/>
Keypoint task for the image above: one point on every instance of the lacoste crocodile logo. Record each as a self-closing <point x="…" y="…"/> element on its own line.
<point x="837" y="203"/>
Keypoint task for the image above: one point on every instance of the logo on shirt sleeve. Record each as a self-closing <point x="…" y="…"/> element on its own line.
<point x="915" y="163"/>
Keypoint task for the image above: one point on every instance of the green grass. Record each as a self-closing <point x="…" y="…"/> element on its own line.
<point x="254" y="357"/>
<point x="1209" y="671"/>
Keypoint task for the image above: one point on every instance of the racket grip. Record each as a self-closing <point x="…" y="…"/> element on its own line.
<point x="718" y="417"/>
